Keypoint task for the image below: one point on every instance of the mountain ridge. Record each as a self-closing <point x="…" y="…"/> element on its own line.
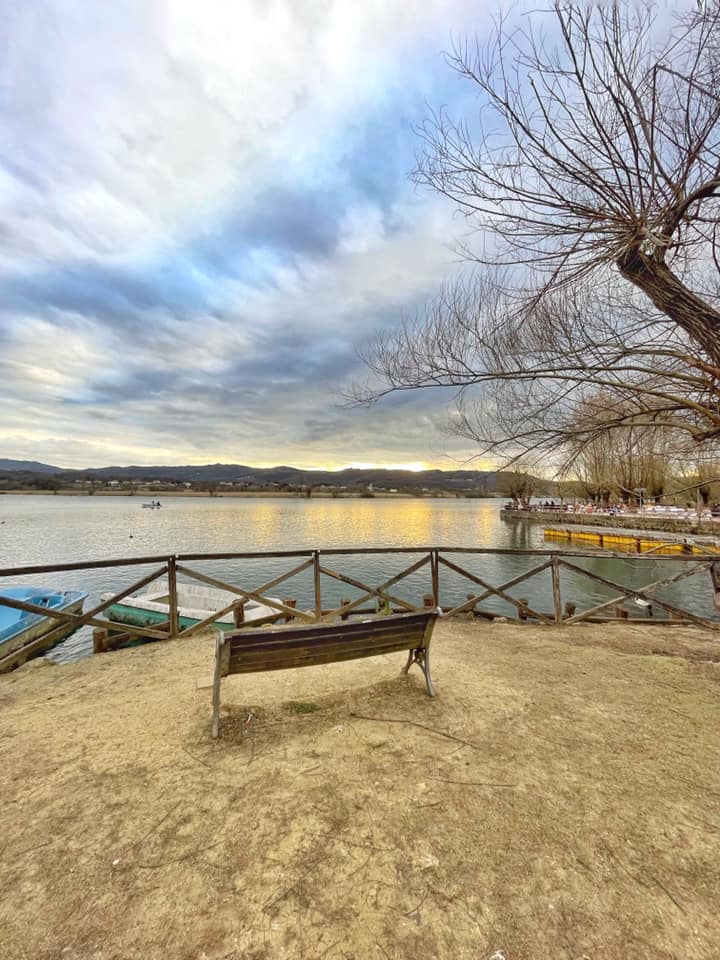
<point x="242" y="473"/>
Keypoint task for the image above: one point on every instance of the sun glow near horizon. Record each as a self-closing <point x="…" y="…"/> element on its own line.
<point x="416" y="466"/>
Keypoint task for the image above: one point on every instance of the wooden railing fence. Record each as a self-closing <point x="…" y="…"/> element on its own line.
<point x="384" y="595"/>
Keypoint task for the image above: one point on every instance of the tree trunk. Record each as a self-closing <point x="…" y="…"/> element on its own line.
<point x="674" y="299"/>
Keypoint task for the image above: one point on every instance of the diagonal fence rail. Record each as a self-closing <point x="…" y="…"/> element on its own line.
<point x="435" y="565"/>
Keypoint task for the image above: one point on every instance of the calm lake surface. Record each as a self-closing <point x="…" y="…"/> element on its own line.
<point x="58" y="529"/>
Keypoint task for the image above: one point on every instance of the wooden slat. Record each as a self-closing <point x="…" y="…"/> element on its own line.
<point x="42" y="641"/>
<point x="211" y="618"/>
<point x="286" y="647"/>
<point x="247" y="594"/>
<point x="351" y="629"/>
<point x="316" y="658"/>
<point x="82" y="565"/>
<point x="627" y="592"/>
<point x="270" y="651"/>
<point x="238" y="648"/>
<point x="467" y="604"/>
<point x="174" y="618"/>
<point x="88" y="618"/>
<point x="561" y="554"/>
<point x="557" y="600"/>
<point x="256" y="555"/>
<point x="715" y="580"/>
<point x="435" y="577"/>
<point x="216" y="614"/>
<point x="317" y="590"/>
<point x="497" y="591"/>
<point x="380" y="591"/>
<point x="339" y="551"/>
<point x="268" y="585"/>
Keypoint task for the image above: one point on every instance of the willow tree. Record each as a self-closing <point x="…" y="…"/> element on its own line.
<point x="589" y="180"/>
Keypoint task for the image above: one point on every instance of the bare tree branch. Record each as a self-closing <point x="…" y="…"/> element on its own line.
<point x="590" y="180"/>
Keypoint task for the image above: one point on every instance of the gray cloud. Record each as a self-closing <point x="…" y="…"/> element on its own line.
<point x="204" y="210"/>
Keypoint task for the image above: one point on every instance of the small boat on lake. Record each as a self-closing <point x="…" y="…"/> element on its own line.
<point x="153" y="505"/>
<point x="196" y="603"/>
<point x="23" y="634"/>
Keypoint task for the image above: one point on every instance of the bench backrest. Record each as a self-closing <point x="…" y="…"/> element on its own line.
<point x="246" y="651"/>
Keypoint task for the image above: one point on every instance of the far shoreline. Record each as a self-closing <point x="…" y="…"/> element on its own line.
<point x="254" y="494"/>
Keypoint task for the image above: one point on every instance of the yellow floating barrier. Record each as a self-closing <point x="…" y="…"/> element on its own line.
<point x="622" y="542"/>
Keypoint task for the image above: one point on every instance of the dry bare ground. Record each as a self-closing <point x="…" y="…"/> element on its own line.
<point x="559" y="799"/>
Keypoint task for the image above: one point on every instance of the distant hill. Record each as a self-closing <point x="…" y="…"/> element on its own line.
<point x="28" y="466"/>
<point x="471" y="480"/>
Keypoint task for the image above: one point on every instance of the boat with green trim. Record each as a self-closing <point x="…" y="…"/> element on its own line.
<point x="196" y="603"/>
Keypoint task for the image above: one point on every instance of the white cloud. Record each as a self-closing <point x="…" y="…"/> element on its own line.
<point x="130" y="130"/>
<point x="139" y="119"/>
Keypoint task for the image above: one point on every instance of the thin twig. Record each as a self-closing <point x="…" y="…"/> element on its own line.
<point x="152" y="829"/>
<point x="193" y="757"/>
<point x="474" y="783"/>
<point x="667" y="892"/>
<point x="698" y="786"/>
<point x="271" y="901"/>
<point x="328" y="949"/>
<point x="185" y="856"/>
<point x="413" y="914"/>
<point x="685" y="716"/>
<point x="414" y="723"/>
<point x="622" y="866"/>
<point x="361" y="867"/>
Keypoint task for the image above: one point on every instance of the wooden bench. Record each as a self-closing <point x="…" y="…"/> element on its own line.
<point x="251" y="650"/>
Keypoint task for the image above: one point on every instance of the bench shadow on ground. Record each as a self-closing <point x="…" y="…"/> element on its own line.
<point x="272" y="722"/>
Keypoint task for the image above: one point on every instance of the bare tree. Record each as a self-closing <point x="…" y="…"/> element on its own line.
<point x="518" y="484"/>
<point x="583" y="361"/>
<point x="597" y="145"/>
<point x="699" y="473"/>
<point x="592" y="170"/>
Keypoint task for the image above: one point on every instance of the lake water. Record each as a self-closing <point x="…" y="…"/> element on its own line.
<point x="59" y="529"/>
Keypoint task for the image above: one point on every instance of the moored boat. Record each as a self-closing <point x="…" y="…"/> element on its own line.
<point x="23" y="634"/>
<point x="196" y="603"/>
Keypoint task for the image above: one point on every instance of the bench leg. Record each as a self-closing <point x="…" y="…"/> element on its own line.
<point x="216" y="700"/>
<point x="216" y="709"/>
<point x="421" y="656"/>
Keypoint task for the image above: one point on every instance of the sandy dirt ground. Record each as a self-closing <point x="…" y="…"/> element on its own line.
<point x="558" y="800"/>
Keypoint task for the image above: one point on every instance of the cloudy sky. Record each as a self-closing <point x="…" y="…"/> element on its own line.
<point x="204" y="211"/>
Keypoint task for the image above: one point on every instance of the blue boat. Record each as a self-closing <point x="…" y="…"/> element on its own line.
<point x="23" y="634"/>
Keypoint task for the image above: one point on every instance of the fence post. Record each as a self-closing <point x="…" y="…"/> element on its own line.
<point x="435" y="574"/>
<point x="290" y="602"/>
<point x="172" y="598"/>
<point x="239" y="615"/>
<point x="316" y="581"/>
<point x="557" y="601"/>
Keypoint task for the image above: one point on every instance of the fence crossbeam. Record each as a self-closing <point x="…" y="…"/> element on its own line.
<point x="379" y="591"/>
<point x="642" y="593"/>
<point x="497" y="591"/>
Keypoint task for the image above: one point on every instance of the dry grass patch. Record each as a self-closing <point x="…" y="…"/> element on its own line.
<point x="560" y="798"/>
